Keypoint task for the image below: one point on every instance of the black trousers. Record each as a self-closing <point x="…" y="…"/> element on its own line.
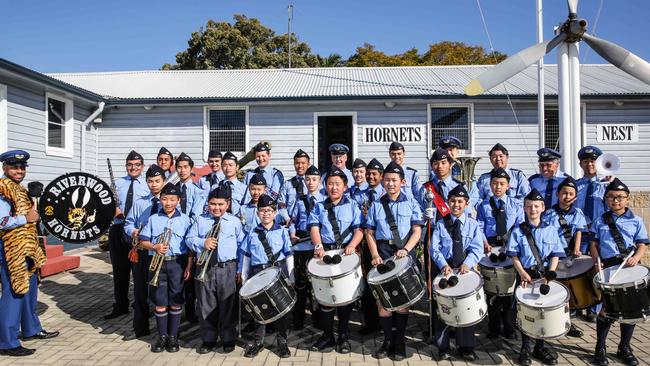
<point x="217" y="303"/>
<point x="140" y="272"/>
<point x="119" y="251"/>
<point x="368" y="301"/>
<point x="303" y="285"/>
<point x="501" y="312"/>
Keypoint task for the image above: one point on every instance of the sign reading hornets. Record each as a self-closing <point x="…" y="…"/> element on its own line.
<point x="383" y="134"/>
<point x="77" y="207"/>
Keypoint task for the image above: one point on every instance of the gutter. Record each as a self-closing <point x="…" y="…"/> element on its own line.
<point x="84" y="125"/>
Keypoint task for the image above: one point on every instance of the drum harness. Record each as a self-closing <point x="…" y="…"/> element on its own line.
<point x="267" y="247"/>
<point x="537" y="273"/>
<point x="331" y="217"/>
<point x="616" y="235"/>
<point x="566" y="228"/>
<point x="390" y="218"/>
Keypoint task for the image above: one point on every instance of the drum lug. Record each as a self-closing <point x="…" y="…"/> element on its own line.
<point x="541" y="314"/>
<point x="356" y="275"/>
<point x="480" y="312"/>
<point x="457" y="319"/>
<point x="256" y="309"/>
<point x="567" y="326"/>
<point x="247" y="308"/>
<point x="566" y="308"/>
<point x="386" y="295"/>
<point x="542" y="332"/>
<point x="374" y="293"/>
<point x="331" y="282"/>
<point x="453" y="301"/>
<point x="478" y="296"/>
<point x="333" y="299"/>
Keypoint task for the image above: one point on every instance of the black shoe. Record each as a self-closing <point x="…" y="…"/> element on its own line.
<point x="384" y="351"/>
<point x="524" y="358"/>
<point x="511" y="336"/>
<point x="469" y="355"/>
<point x="19" y="351"/>
<point x="323" y="343"/>
<point x="368" y="330"/>
<point x="206" y="348"/>
<point x="160" y="345"/>
<point x="43" y="334"/>
<point x="444" y="355"/>
<point x="399" y="352"/>
<point x="625" y="355"/>
<point x="574" y="332"/>
<point x="134" y="336"/>
<point x="228" y="347"/>
<point x="493" y="335"/>
<point x="252" y="349"/>
<point x="172" y="345"/>
<point x="600" y="357"/>
<point x="589" y="316"/>
<point x="343" y="346"/>
<point x="545" y="356"/>
<point x="250" y="327"/>
<point x="283" y="350"/>
<point x="115" y="314"/>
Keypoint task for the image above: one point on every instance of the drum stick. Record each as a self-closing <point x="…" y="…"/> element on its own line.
<point x="239" y="316"/>
<point x="620" y="266"/>
<point x="600" y="269"/>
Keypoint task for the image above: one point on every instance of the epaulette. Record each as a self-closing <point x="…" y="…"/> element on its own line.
<point x="409" y="168"/>
<point x="534" y="176"/>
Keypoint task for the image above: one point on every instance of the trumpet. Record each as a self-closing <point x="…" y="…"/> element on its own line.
<point x="206" y="255"/>
<point x="158" y="259"/>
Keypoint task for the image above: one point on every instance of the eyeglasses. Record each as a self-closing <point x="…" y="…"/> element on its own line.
<point x="267" y="211"/>
<point x="137" y="165"/>
<point x="616" y="198"/>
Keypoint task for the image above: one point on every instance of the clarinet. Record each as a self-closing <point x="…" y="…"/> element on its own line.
<point x="113" y="186"/>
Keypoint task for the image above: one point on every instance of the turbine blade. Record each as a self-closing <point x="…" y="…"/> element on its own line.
<point x="620" y="57"/>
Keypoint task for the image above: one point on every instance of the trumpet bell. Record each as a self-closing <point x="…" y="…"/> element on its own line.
<point x="608" y="164"/>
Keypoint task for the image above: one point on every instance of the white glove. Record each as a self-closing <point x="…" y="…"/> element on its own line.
<point x="430" y="213"/>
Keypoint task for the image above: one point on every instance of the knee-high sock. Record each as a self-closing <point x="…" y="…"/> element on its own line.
<point x="174" y="322"/>
<point x="401" y="321"/>
<point x="386" y="323"/>
<point x="161" y="322"/>
<point x="602" y="329"/>
<point x="627" y="330"/>
<point x="327" y="322"/>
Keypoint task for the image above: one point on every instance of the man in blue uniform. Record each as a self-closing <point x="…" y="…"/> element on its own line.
<point x="165" y="160"/>
<point x="453" y="145"/>
<point x="211" y="181"/>
<point x="339" y="156"/>
<point x="230" y="166"/>
<point x="532" y="259"/>
<point x="549" y="177"/>
<point x="393" y="228"/>
<point x="18" y="314"/>
<point x="456" y="243"/>
<point x="359" y="176"/>
<point x="130" y="188"/>
<point x="217" y="292"/>
<point x="268" y="237"/>
<point x="142" y="209"/>
<point x="397" y="154"/>
<point x="614" y="234"/>
<point x="295" y="187"/>
<point x="519" y="186"/>
<point x="274" y="177"/>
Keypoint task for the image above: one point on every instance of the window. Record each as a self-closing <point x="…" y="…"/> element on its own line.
<point x="454" y="121"/>
<point x="59" y="126"/>
<point x="552" y="128"/>
<point x="226" y="129"/>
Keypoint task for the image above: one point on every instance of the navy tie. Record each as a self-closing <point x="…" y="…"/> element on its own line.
<point x="589" y="200"/>
<point x="371" y="195"/>
<point x="458" y="255"/>
<point x="501" y="221"/>
<point x="441" y="184"/>
<point x="300" y="189"/>
<point x="183" y="198"/>
<point x="154" y="206"/>
<point x="129" y="198"/>
<point x="548" y="194"/>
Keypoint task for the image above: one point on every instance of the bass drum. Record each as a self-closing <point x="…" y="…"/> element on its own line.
<point x="336" y="284"/>
<point x="267" y="296"/>
<point x="577" y="274"/>
<point x="399" y="288"/>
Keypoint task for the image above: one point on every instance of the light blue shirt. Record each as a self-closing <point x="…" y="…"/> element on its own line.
<point x="347" y="213"/>
<point x="231" y="235"/>
<point x="237" y="190"/>
<point x="547" y="242"/>
<point x="289" y="194"/>
<point x="140" y="189"/>
<point x="538" y="182"/>
<point x="488" y="222"/>
<point x="629" y="225"/>
<point x="8" y="222"/>
<point x="447" y="185"/>
<point x="279" y="241"/>
<point x="406" y="212"/>
<point x="139" y="214"/>
<point x="156" y="225"/>
<point x="300" y="218"/>
<point x="519" y="186"/>
<point x="597" y="197"/>
<point x="412" y="186"/>
<point x="356" y="192"/>
<point x="274" y="181"/>
<point x="574" y="217"/>
<point x="195" y="199"/>
<point x="442" y="244"/>
<point x="251" y="220"/>
<point x="210" y="181"/>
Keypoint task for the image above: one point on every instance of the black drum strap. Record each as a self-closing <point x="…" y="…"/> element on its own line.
<point x="397" y="239"/>
<point x="331" y="217"/>
<point x="564" y="225"/>
<point x="616" y="234"/>
<point x="267" y="247"/>
<point x="533" y="246"/>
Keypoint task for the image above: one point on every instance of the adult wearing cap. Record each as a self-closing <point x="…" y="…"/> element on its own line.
<point x="211" y="181"/>
<point x="339" y="158"/>
<point x="360" y="184"/>
<point x="230" y="166"/>
<point x="452" y="144"/>
<point x="519" y="186"/>
<point x="397" y="154"/>
<point x="142" y="209"/>
<point x="615" y="233"/>
<point x="294" y="188"/>
<point x="549" y="177"/>
<point x="18" y="312"/>
<point x="130" y="188"/>
<point x="274" y="178"/>
<point x="165" y="160"/>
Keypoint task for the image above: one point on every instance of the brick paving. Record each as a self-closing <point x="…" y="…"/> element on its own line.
<point x="75" y="302"/>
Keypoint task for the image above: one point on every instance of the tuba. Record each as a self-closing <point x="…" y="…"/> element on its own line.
<point x="206" y="255"/>
<point x="158" y="259"/>
<point x="467" y="165"/>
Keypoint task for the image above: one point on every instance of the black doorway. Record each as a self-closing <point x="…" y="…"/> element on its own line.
<point x="333" y="130"/>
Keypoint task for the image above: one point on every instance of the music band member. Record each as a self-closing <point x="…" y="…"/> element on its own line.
<point x="453" y="145"/>
<point x="359" y="176"/>
<point x="397" y="154"/>
<point x="165" y="160"/>
<point x="295" y="187"/>
<point x="211" y="180"/>
<point x="142" y="209"/>
<point x="393" y="227"/>
<point x="167" y="296"/>
<point x="18" y="314"/>
<point x="335" y="224"/>
<point x="549" y="177"/>
<point x="256" y="188"/>
<point x="519" y="186"/>
<point x="216" y="293"/>
<point x="544" y="246"/>
<point x="339" y="158"/>
<point x="274" y="177"/>
<point x="230" y="166"/>
<point x="456" y="243"/>
<point x="267" y="237"/>
<point x="614" y="234"/>
<point x="129" y="189"/>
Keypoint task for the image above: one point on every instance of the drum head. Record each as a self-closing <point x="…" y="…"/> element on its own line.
<point x="531" y="296"/>
<point x="570" y="267"/>
<point x="258" y="282"/>
<point x="486" y="262"/>
<point x="626" y="275"/>
<point x="467" y="283"/>
<point x="348" y="264"/>
<point x="400" y="265"/>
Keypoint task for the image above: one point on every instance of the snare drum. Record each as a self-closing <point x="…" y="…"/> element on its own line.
<point x="399" y="288"/>
<point x="336" y="284"/>
<point x="464" y="304"/>
<point x="499" y="278"/>
<point x="543" y="316"/>
<point x="627" y="297"/>
<point x="577" y="274"/>
<point x="267" y="296"/>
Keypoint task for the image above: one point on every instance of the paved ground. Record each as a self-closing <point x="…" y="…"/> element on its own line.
<point x="75" y="302"/>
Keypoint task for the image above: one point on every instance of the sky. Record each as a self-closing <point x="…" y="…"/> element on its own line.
<point x="82" y="36"/>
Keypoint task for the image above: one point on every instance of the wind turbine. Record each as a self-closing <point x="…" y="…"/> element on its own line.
<point x="569" y="34"/>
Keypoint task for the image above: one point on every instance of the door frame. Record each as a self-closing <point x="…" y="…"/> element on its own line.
<point x="355" y="138"/>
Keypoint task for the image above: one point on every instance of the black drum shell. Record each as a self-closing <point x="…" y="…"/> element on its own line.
<point x="400" y="291"/>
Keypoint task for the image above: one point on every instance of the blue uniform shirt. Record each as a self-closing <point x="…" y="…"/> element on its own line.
<point x="237" y="190"/>
<point x="574" y="217"/>
<point x="300" y="218"/>
<point x="8" y="222"/>
<point x="279" y="241"/>
<point x="139" y="214"/>
<point x="195" y="199"/>
<point x="442" y="245"/>
<point x="251" y="220"/>
<point x="356" y="192"/>
<point x="597" y="197"/>
<point x="274" y="181"/>
<point x="629" y="225"/>
<point x="546" y="240"/>
<point x="539" y="182"/>
<point x="412" y="186"/>
<point x="488" y="222"/>
<point x="210" y="181"/>
<point x="231" y="235"/>
<point x="519" y="186"/>
<point x="447" y="185"/>
<point x="347" y="213"/>
<point x="406" y="212"/>
<point x="289" y="192"/>
<point x="156" y="225"/>
<point x="140" y="189"/>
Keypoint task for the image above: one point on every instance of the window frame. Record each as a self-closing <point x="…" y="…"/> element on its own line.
<point x="206" y="128"/>
<point x="4" y="119"/>
<point x="68" y="150"/>
<point x="470" y="108"/>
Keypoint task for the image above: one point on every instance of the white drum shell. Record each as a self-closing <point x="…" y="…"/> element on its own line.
<point x="337" y="290"/>
<point x="461" y="310"/>
<point x="543" y="322"/>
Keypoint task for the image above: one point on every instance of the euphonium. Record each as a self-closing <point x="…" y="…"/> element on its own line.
<point x="467" y="165"/>
<point x="158" y="259"/>
<point x="206" y="255"/>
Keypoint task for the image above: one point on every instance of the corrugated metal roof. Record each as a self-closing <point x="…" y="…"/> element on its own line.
<point x="336" y="82"/>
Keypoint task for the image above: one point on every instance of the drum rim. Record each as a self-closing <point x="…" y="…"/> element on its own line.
<point x="578" y="275"/>
<point x="412" y="265"/>
<point x="485" y="314"/>
<point x="408" y="304"/>
<point x="605" y="286"/>
<point x="565" y="302"/>
<point x="335" y="277"/>
<point x="535" y="336"/>
<point x="477" y="289"/>
<point x="279" y="274"/>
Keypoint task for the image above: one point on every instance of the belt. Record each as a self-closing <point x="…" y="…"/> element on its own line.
<point x="223" y="264"/>
<point x="496" y="241"/>
<point x="302" y="234"/>
<point x="336" y="245"/>
<point x="168" y="258"/>
<point x="267" y="265"/>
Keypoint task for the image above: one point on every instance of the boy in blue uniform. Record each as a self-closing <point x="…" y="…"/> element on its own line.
<point x="165" y="160"/>
<point x="359" y="176"/>
<point x="167" y="296"/>
<point x="456" y="243"/>
<point x="335" y="224"/>
<point x="532" y="259"/>
<point x="397" y="153"/>
<point x="142" y="209"/>
<point x="453" y="145"/>
<point x="230" y="166"/>
<point x="303" y="249"/>
<point x="497" y="215"/>
<point x="274" y="177"/>
<point x="248" y="212"/>
<point x="270" y="237"/>
<point x="393" y="227"/>
<point x="519" y="186"/>
<point x="217" y="293"/>
<point x="211" y="181"/>
<point x="615" y="233"/>
<point x="549" y="177"/>
<point x="295" y="187"/>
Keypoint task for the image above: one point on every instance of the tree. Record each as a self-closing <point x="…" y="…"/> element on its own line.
<point x="333" y="60"/>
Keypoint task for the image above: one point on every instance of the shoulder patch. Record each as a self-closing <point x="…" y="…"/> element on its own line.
<point x="534" y="176"/>
<point x="409" y="168"/>
<point x="457" y="181"/>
